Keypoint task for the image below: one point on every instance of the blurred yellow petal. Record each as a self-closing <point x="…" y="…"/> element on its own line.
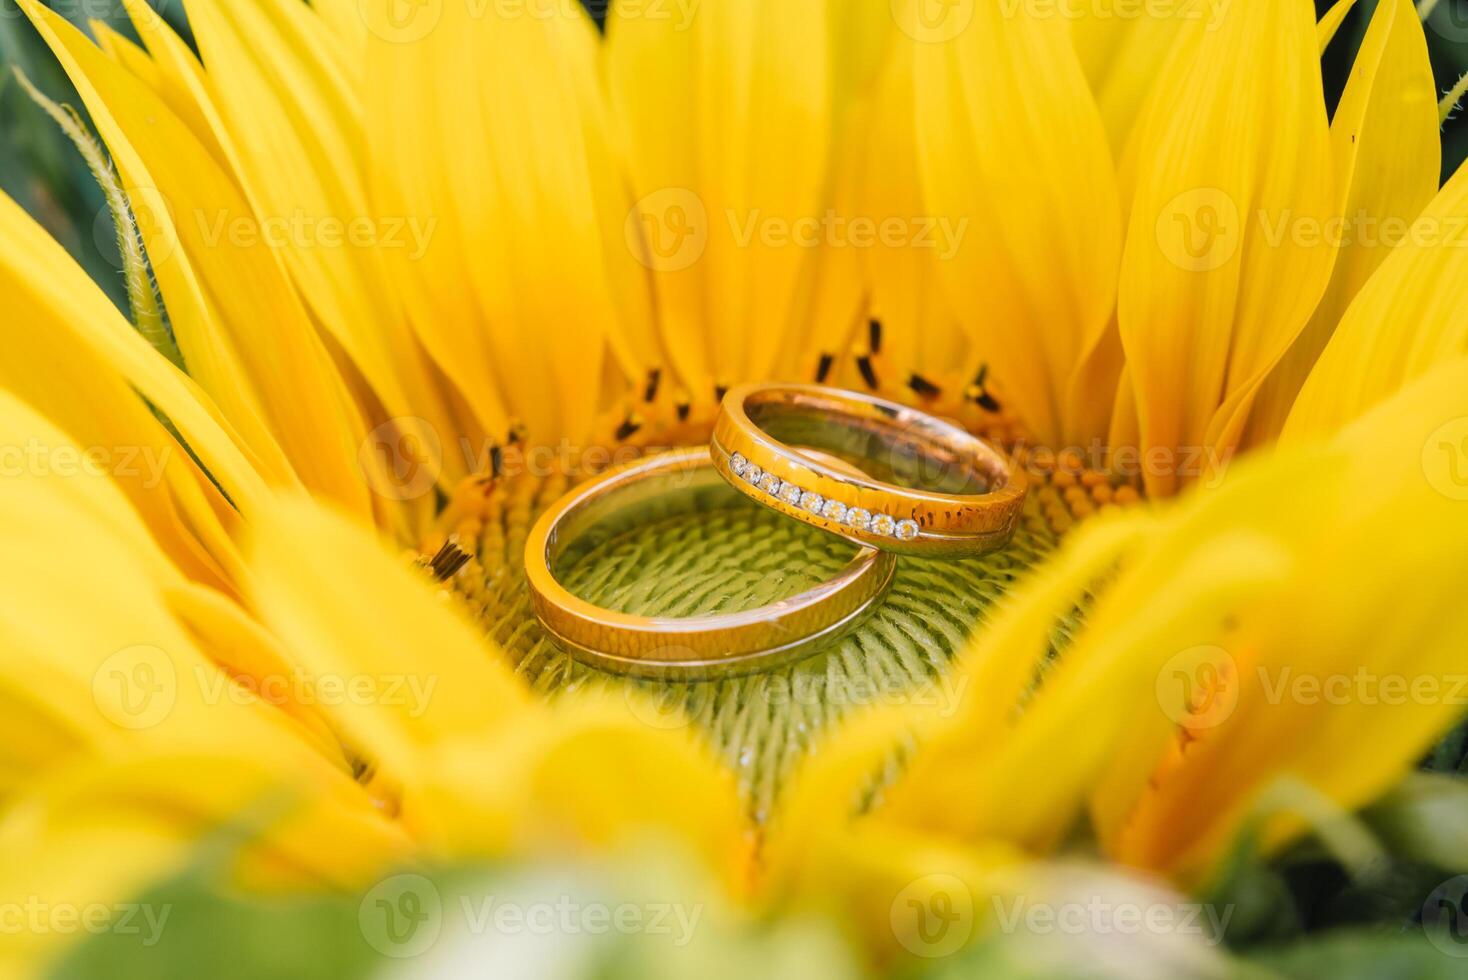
<point x="98" y="836"/>
<point x="1385" y="144"/>
<point x="1407" y="319"/>
<point x="702" y="95"/>
<point x="128" y="671"/>
<point x="1343" y="696"/>
<point x="996" y="675"/>
<point x="1034" y="275"/>
<point x="403" y="669"/>
<point x="590" y="775"/>
<point x="1230" y="158"/>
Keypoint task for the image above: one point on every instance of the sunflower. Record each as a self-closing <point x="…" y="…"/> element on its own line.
<point x="398" y="274"/>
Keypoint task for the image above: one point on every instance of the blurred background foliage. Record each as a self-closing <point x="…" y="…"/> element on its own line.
<point x="42" y="170"/>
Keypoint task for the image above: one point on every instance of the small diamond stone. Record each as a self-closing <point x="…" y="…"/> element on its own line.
<point x="812" y="501"/>
<point x="907" y="530"/>
<point x="791" y="494"/>
<point x="834" y="510"/>
<point x="858" y="518"/>
<point x="882" y="524"/>
<point x="770" y="483"/>
<point x="738" y="464"/>
<point x="752" y="474"/>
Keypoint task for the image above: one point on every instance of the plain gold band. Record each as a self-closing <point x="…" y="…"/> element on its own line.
<point x="975" y="509"/>
<point x="691" y="648"/>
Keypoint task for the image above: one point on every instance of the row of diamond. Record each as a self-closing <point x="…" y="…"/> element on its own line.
<point x="856" y="518"/>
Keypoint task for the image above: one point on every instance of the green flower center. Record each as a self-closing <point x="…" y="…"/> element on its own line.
<point x="732" y="557"/>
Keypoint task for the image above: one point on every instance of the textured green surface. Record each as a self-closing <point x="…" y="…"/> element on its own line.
<point x="736" y="557"/>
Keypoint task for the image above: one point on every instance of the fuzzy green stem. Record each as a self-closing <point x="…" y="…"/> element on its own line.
<point x="1452" y="98"/>
<point x="147" y="310"/>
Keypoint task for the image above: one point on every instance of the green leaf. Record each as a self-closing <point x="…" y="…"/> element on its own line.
<point x="1359" y="955"/>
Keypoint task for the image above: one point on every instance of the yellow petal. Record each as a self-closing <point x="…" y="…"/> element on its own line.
<point x="1034" y="277"/>
<point x="1121" y="55"/>
<point x="175" y="76"/>
<point x="1343" y="697"/>
<point x="920" y="333"/>
<point x="128" y="671"/>
<point x="1331" y="20"/>
<point x="1215" y="284"/>
<point x="398" y="667"/>
<point x="295" y="121"/>
<point x="1407" y="319"/>
<point x="590" y="776"/>
<point x="254" y="350"/>
<point x="81" y="365"/>
<point x="519" y="290"/>
<point x="98" y="836"/>
<point x="727" y="236"/>
<point x="1385" y="144"/>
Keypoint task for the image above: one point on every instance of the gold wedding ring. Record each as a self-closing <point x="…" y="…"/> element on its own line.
<point x="926" y="487"/>
<point x="723" y="644"/>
